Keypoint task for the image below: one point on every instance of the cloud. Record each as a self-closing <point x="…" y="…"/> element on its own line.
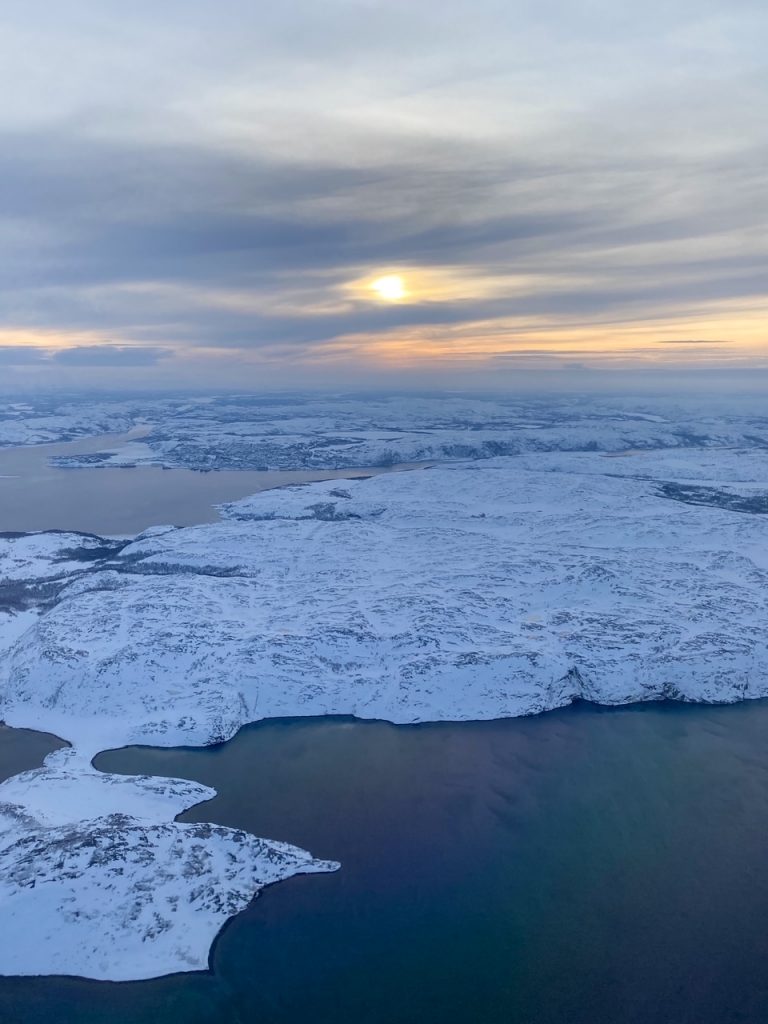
<point x="216" y="187"/>
<point x="21" y="355"/>
<point x="109" y="355"/>
<point x="695" y="341"/>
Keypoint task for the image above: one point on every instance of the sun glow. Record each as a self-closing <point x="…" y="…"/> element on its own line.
<point x="390" y="288"/>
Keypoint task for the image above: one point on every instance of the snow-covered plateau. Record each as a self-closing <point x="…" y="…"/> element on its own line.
<point x="470" y="590"/>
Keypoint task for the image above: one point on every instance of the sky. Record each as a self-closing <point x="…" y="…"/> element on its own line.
<point x="368" y="193"/>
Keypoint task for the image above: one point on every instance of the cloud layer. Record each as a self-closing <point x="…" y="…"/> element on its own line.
<point x="189" y="192"/>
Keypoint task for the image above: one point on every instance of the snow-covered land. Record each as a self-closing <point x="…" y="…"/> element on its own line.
<point x="466" y="591"/>
<point x="306" y="431"/>
<point x="470" y="590"/>
<point x="97" y="880"/>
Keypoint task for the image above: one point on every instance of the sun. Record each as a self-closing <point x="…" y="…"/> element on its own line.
<point x="390" y="288"/>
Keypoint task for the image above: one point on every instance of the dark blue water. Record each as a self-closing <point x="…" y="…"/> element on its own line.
<point x="22" y="749"/>
<point x="596" y="866"/>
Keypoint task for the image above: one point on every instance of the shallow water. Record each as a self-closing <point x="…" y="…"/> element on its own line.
<point x="588" y="865"/>
<point x="110" y="501"/>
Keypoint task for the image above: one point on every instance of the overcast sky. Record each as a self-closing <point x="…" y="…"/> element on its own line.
<point x="208" y="194"/>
